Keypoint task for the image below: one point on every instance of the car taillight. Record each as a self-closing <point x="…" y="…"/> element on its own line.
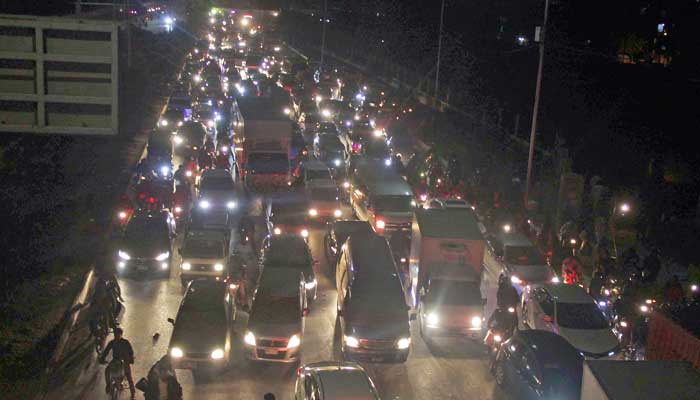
<point x="379" y="223"/>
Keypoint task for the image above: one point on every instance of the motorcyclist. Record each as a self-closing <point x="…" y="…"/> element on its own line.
<point x="507" y="295"/>
<point x="571" y="271"/>
<point x="596" y="284"/>
<point x="180" y="175"/>
<point x="246" y="227"/>
<point x="204" y="159"/>
<point x="503" y="320"/>
<point x="121" y="351"/>
<point x="161" y="383"/>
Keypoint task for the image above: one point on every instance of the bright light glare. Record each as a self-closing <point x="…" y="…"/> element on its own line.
<point x="337" y="213"/>
<point x="515" y="280"/>
<point x="351" y="341"/>
<point x="433" y="319"/>
<point x="294" y="341"/>
<point x="176" y="352"/>
<point x="217" y="354"/>
<point x="403" y="343"/>
<point x="476" y="321"/>
<point x="304" y="233"/>
<point x="186" y="266"/>
<point x="249" y="338"/>
<point x="204" y="204"/>
<point x="218" y="267"/>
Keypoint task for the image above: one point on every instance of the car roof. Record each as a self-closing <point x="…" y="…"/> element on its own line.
<point x="448" y="223"/>
<point x="280" y="282"/>
<point x="568" y="293"/>
<point x="549" y="346"/>
<point x="390" y="187"/>
<point x="205" y="291"/>
<point x="345" y="383"/>
<point x="314" y="164"/>
<point x="370" y="252"/>
<point x="514" y="239"/>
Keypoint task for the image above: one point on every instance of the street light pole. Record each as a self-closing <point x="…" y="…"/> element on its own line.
<point x="323" y="32"/>
<point x="536" y="106"/>
<point x="437" y="66"/>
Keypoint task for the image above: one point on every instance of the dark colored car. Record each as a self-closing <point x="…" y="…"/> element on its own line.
<point x="338" y="232"/>
<point x="147" y="244"/>
<point x="291" y="252"/>
<point x="276" y="323"/>
<point x="160" y="149"/>
<point x="372" y="311"/>
<point x="538" y="364"/>
<point x="190" y="136"/>
<point x="289" y="215"/>
<point x="203" y="328"/>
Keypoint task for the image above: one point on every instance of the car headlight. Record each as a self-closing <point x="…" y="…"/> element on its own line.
<point x="164" y="170"/>
<point x="218" y="267"/>
<point x="304" y="233"/>
<point x="121" y="264"/>
<point x="277" y="231"/>
<point x="313" y="212"/>
<point x="403" y="343"/>
<point x="163" y="256"/>
<point x="163" y="122"/>
<point x="378" y="132"/>
<point x="217" y="354"/>
<point x="319" y="98"/>
<point x="176" y="352"/>
<point x="497" y="338"/>
<point x="204" y="204"/>
<point x="178" y="210"/>
<point x="177" y="140"/>
<point x="310" y="285"/>
<point x="337" y="213"/>
<point x="123" y="255"/>
<point x="346" y="184"/>
<point x="555" y="279"/>
<point x="231" y="205"/>
<point x="476" y="321"/>
<point x="336" y="162"/>
<point x="514" y="279"/>
<point x="294" y="341"/>
<point x="326" y="112"/>
<point x="249" y="338"/>
<point x="387" y="162"/>
<point x="433" y="319"/>
<point x="186" y="266"/>
<point x="351" y="341"/>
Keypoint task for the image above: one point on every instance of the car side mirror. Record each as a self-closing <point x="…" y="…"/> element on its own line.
<point x="305" y="312"/>
<point x="548" y="319"/>
<point x="172" y="321"/>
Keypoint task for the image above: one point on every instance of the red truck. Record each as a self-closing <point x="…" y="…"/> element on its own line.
<point x="265" y="133"/>
<point x="447" y="251"/>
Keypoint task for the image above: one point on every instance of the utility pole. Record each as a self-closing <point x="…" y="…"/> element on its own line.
<point x="536" y="106"/>
<point x="437" y="66"/>
<point x="323" y="32"/>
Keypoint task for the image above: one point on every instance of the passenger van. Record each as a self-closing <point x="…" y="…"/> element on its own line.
<point x="386" y="204"/>
<point x="371" y="308"/>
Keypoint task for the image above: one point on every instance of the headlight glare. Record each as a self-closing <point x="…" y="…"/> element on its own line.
<point x="186" y="266"/>
<point x="294" y="341"/>
<point x="476" y="321"/>
<point x="217" y="354"/>
<point x="163" y="256"/>
<point x="403" y="343"/>
<point x="123" y="255"/>
<point x="351" y="341"/>
<point x="218" y="267"/>
<point x="433" y="319"/>
<point x="249" y="338"/>
<point x="176" y="352"/>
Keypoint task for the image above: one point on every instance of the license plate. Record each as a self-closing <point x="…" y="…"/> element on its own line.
<point x="271" y="352"/>
<point x="142" y="268"/>
<point x="376" y="359"/>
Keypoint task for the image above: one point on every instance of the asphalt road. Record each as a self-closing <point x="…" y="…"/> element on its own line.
<point x="450" y="369"/>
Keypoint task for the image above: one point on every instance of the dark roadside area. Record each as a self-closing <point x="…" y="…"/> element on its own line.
<point x="59" y="195"/>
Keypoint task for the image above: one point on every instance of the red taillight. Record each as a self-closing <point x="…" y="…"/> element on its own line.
<point x="379" y="224"/>
<point x="152" y="200"/>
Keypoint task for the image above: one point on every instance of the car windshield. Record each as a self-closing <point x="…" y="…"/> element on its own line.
<point x="524" y="255"/>
<point x="324" y="194"/>
<point x="216" y="183"/>
<point x="312" y="174"/>
<point x="376" y="148"/>
<point x="288" y="253"/>
<point x="580" y="316"/>
<point x="200" y="248"/>
<point x="393" y="203"/>
<point x="146" y="229"/>
<point x="454" y="292"/>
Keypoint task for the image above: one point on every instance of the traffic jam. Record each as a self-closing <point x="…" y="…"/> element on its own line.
<point x="274" y="188"/>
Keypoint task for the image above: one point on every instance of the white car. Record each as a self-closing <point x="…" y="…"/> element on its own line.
<point x="217" y="190"/>
<point x="514" y="255"/>
<point x="334" y="380"/>
<point x="570" y="312"/>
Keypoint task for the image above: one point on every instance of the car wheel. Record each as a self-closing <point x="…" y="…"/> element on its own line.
<point x="500" y="374"/>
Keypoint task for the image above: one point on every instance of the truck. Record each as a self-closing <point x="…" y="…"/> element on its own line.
<point x="265" y="134"/>
<point x="639" y="380"/>
<point x="446" y="243"/>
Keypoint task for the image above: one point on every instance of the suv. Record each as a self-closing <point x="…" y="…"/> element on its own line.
<point x="514" y="255"/>
<point x="147" y="243"/>
<point x="334" y="380"/>
<point x="276" y="322"/>
<point x="217" y="190"/>
<point x="207" y="306"/>
<point x="290" y="252"/>
<point x="204" y="255"/>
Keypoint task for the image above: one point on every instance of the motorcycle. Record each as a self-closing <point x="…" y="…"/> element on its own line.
<point x="497" y="335"/>
<point x="115" y="371"/>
